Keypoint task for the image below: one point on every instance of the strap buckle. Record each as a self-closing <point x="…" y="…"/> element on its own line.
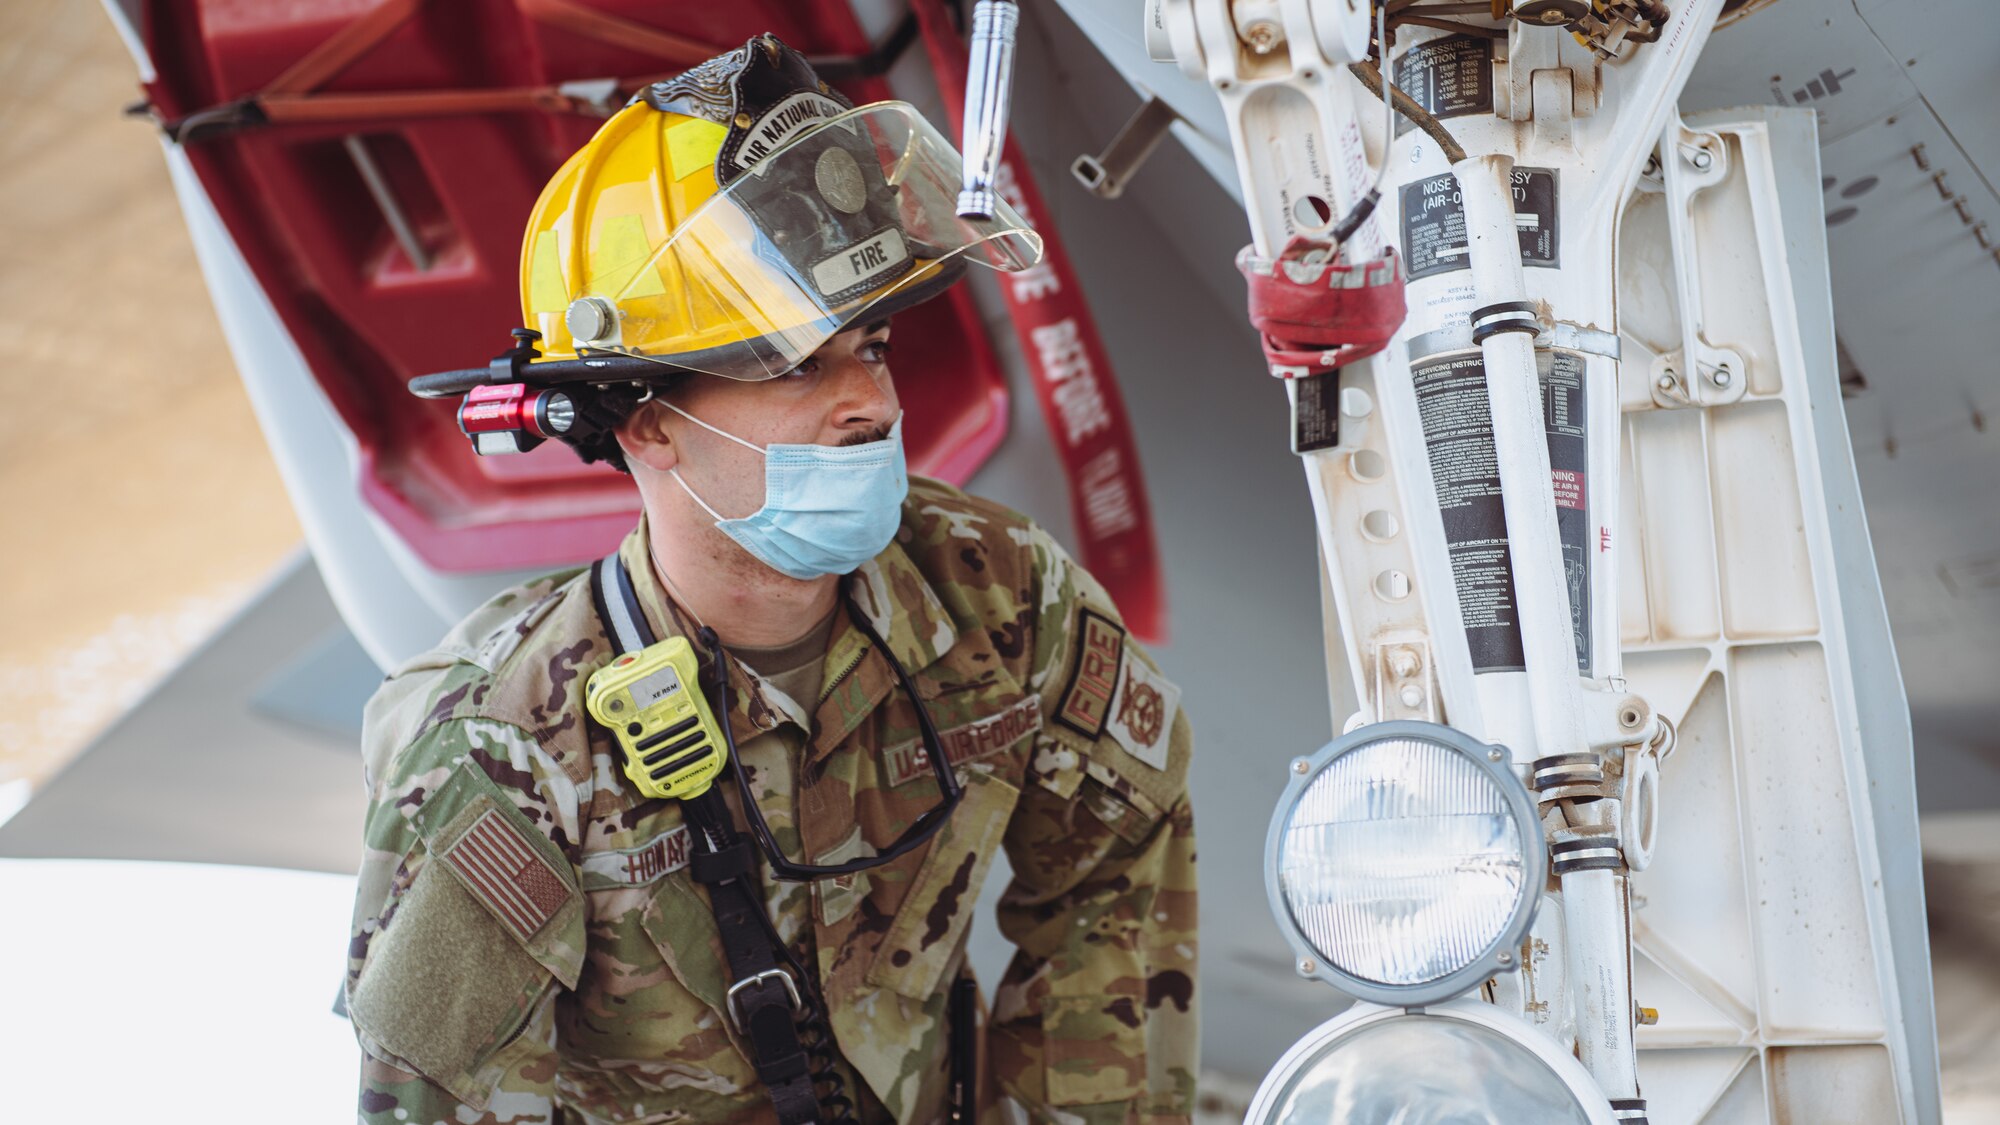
<point x="736" y="1013"/>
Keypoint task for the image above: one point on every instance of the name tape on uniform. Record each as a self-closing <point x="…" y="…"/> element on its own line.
<point x="636" y="867"/>
<point x="968" y="743"/>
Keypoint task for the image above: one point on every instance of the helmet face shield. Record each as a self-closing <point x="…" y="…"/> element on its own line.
<point x="850" y="217"/>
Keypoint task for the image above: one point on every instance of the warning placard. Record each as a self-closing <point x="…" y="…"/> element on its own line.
<point x="1315" y="420"/>
<point x="1449" y="77"/>
<point x="1458" y="433"/>
<point x="1569" y="466"/>
<point x="1434" y="239"/>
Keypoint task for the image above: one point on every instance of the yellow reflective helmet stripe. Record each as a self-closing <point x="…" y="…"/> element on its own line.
<point x="626" y="258"/>
<point x="692" y="145"/>
<point x="546" y="291"/>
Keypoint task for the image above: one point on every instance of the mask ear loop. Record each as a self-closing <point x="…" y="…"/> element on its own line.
<point x="718" y="517"/>
<point x="712" y="429"/>
<point x="675" y="472"/>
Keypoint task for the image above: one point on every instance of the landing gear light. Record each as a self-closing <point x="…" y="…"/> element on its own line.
<point x="1404" y="863"/>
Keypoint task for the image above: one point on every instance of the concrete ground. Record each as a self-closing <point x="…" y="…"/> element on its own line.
<point x="1962" y="885"/>
<point x="142" y="507"/>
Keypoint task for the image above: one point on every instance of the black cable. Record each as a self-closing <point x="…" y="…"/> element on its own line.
<point x="817" y="1038"/>
<point x="919" y="832"/>
<point x="1407" y="106"/>
<point x="1365" y="206"/>
<point x="815" y="1034"/>
<point x="1656" y="15"/>
<point x="1356" y="215"/>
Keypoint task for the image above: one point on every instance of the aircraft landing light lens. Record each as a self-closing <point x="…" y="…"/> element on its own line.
<point x="1402" y="862"/>
<point x="1425" y="1069"/>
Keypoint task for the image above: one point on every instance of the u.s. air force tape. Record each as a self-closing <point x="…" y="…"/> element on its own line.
<point x="968" y="743"/>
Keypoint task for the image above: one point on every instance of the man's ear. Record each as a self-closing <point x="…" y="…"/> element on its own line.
<point x="644" y="438"/>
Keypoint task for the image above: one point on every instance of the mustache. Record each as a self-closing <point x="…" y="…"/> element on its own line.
<point x="880" y="433"/>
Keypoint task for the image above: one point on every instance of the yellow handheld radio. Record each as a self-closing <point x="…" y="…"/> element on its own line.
<point x="651" y="701"/>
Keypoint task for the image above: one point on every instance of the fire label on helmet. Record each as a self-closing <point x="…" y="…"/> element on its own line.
<point x="861" y="263"/>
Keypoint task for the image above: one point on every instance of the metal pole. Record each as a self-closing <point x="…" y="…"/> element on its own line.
<point x="989" y="81"/>
<point x="385" y="198"/>
<point x="1595" y="907"/>
<point x="1504" y="324"/>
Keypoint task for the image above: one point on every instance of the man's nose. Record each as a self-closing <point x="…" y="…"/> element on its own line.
<point x="867" y="396"/>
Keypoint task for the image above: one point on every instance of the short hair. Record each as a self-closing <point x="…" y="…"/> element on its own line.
<point x="601" y="411"/>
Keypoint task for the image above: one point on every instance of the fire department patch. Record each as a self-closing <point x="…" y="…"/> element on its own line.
<point x="1143" y="711"/>
<point x="1142" y="714"/>
<point x="637" y="867"/>
<point x="968" y="743"/>
<point x="1100" y="649"/>
<point x="507" y="875"/>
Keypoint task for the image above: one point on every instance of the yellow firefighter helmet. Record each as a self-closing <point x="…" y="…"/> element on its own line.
<point x="731" y="220"/>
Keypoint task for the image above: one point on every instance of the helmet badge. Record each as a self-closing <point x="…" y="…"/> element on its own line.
<point x="839" y="180"/>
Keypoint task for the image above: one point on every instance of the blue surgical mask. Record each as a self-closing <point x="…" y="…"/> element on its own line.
<point x="827" y="508"/>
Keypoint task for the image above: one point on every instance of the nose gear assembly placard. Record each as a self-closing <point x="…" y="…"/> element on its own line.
<point x="1434" y="223"/>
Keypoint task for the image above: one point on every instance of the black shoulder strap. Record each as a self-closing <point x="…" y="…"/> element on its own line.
<point x="618" y="605"/>
<point x="766" y="998"/>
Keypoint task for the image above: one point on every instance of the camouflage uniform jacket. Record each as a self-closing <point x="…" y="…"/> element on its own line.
<point x="528" y="944"/>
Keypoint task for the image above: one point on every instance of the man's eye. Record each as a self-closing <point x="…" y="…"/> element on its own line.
<point x="875" y="351"/>
<point x="805" y="370"/>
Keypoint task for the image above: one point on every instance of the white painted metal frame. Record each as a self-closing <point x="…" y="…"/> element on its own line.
<point x="1738" y="423"/>
<point x="1298" y="131"/>
<point x="1294" y="122"/>
<point x="1779" y="933"/>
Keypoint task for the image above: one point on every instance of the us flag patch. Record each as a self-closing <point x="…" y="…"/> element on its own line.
<point x="507" y="874"/>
